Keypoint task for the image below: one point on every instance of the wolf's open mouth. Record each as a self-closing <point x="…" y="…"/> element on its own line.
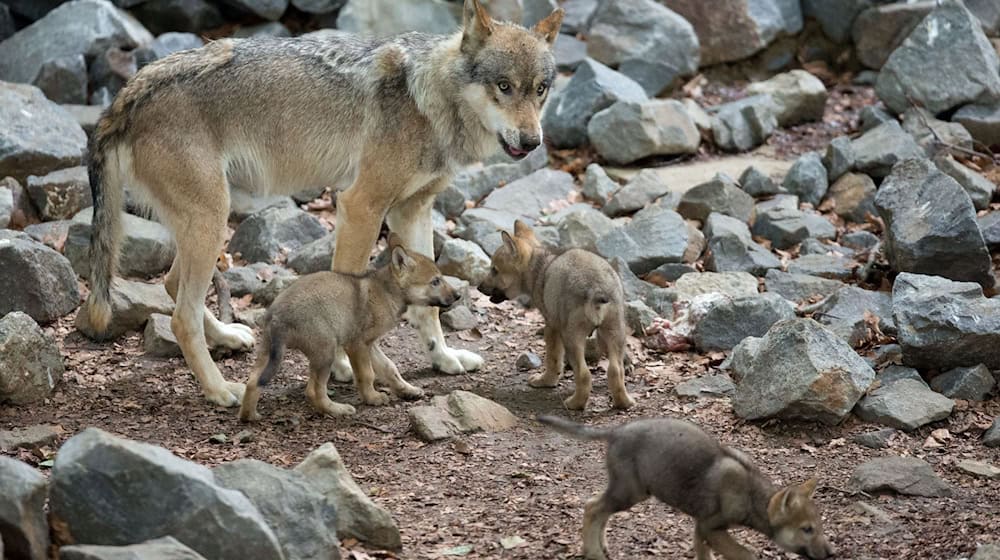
<point x="516" y="153"/>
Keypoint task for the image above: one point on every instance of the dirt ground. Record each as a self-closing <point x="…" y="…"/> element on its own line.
<point x="525" y="487"/>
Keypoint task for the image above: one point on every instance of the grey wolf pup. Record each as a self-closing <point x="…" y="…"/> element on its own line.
<point x="324" y="311"/>
<point x="689" y="470"/>
<point x="577" y="293"/>
<point x="389" y="120"/>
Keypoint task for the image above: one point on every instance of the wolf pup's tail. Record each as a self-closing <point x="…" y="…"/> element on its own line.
<point x="108" y="194"/>
<point x="272" y="348"/>
<point x="572" y="429"/>
<point x="596" y="308"/>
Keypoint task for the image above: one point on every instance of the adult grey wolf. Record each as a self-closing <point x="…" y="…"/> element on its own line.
<point x="389" y="120"/>
<point x="687" y="469"/>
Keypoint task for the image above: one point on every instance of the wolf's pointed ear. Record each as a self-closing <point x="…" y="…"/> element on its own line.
<point x="548" y="28"/>
<point x="401" y="260"/>
<point x="523" y="230"/>
<point x="477" y="25"/>
<point x="809" y="487"/>
<point x="509" y="242"/>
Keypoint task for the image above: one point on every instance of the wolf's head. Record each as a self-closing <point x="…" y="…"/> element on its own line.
<point x="418" y="277"/>
<point x="796" y="522"/>
<point x="511" y="265"/>
<point x="510" y="71"/>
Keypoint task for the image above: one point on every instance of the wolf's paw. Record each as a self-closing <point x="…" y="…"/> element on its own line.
<point x="336" y="409"/>
<point x="409" y="392"/>
<point x="233" y="336"/>
<point x="455" y="361"/>
<point x="575" y="402"/>
<point x="341" y="370"/>
<point x="375" y="398"/>
<point x="227" y="395"/>
<point x="543" y="380"/>
<point x="624" y="402"/>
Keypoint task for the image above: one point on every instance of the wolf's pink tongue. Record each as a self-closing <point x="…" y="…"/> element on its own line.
<point x="517" y="151"/>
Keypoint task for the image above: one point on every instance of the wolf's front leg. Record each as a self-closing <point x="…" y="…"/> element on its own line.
<point x="411" y="219"/>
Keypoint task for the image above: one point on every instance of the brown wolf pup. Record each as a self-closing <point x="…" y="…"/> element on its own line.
<point x="388" y="121"/>
<point x="577" y="292"/>
<point x="689" y="470"/>
<point x="328" y="310"/>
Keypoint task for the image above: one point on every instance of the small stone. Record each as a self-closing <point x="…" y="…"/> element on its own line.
<point x="807" y="178"/>
<point x="656" y="235"/>
<point x="989" y="225"/>
<point x="30" y="437"/>
<point x="315" y="256"/>
<point x="158" y="339"/>
<point x="741" y="125"/>
<point x="731" y="247"/>
<point x="162" y="548"/>
<point x="874" y="115"/>
<point x="859" y="240"/>
<point x="908" y="476"/>
<point x="853" y="197"/>
<point x="991" y="437"/>
<point x="61" y="194"/>
<point x="987" y="552"/>
<point x="639" y="316"/>
<point x="967" y="383"/>
<point x="798" y="96"/>
<point x="706" y="386"/>
<point x="459" y="318"/>
<point x="979" y="188"/>
<point x="597" y="186"/>
<point x="528" y="361"/>
<point x="35" y="279"/>
<point x="757" y="183"/>
<point x="38" y="136"/>
<point x="844" y="313"/>
<point x="465" y="260"/>
<point x="147" y="248"/>
<point x="131" y="305"/>
<point x="628" y="131"/>
<point x="670" y="272"/>
<point x="881" y="29"/>
<point x="531" y="196"/>
<point x="64" y="79"/>
<point x="731" y="284"/>
<point x="727" y="321"/>
<point x="641" y="190"/>
<point x="242" y="205"/>
<point x="459" y="412"/>
<point x="982" y="121"/>
<point x="839" y="158"/>
<point x="799" y="287"/>
<point x="721" y="195"/>
<point x="878" y="439"/>
<point x="881" y="147"/>
<point x="275" y="232"/>
<point x="787" y="227"/>
<point x="932" y="134"/>
<point x="906" y="404"/>
<point x="825" y="266"/>
<point x="581" y="229"/>
<point x="980" y="469"/>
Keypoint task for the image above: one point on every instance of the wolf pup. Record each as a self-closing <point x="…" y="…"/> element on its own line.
<point x="328" y="310"/>
<point x="687" y="469"/>
<point x="577" y="292"/>
<point x="388" y="120"/>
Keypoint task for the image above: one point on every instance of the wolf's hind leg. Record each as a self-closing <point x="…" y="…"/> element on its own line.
<point x="555" y="354"/>
<point x="233" y="336"/>
<point x="319" y="374"/>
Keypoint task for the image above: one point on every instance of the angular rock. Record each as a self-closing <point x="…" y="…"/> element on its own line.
<point x="265" y="236"/>
<point x="38" y="136"/>
<point x="807" y="178"/>
<point x="860" y="240"/>
<point x="24" y="528"/>
<point x="578" y="15"/>
<point x="979" y="188"/>
<point x="528" y="361"/>
<point x="628" y="131"/>
<point x="131" y="305"/>
<point x="798" y="96"/>
<point x="166" y="548"/>
<point x="655" y="236"/>
<point x="474" y="184"/>
<point x="741" y="125"/>
<point x="582" y="228"/>
<point x="594" y="87"/>
<point x="533" y="195"/>
<point x="946" y="62"/>
<point x="991" y="437"/>
<point x="706" y="386"/>
<point x="314" y="256"/>
<point x="968" y="383"/>
<point x="835" y="18"/>
<point x="459" y="412"/>
<point x="908" y="476"/>
<point x="732" y="30"/>
<point x="29" y="437"/>
<point x="147" y="248"/>
<point x="302" y="518"/>
<point x="801" y="370"/>
<point x="730" y="284"/>
<point x="464" y="259"/>
<point x="874" y="115"/>
<point x="932" y="134"/>
<point x="943" y="324"/>
<point x="640" y="191"/>
<point x="817" y="247"/>
<point x="597" y="186"/>
<point x="63" y="79"/>
<point x="844" y="313"/>
<point x="670" y="272"/>
<point x="158" y="338"/>
<point x="982" y="122"/>
<point x="732" y="249"/>
<point x="880" y="30"/>
<point x="482" y="226"/>
<point x="839" y="158"/>
<point x="989" y="225"/>
<point x="787" y="227"/>
<point x="878" y="439"/>
<point x="931" y="225"/>
<point x="984" y="470"/>
<point x="162" y="16"/>
<point x="389" y="17"/>
<point x="37" y="280"/>
<point x="647" y="42"/>
<point x="357" y="516"/>
<point x="729" y="320"/>
<point x="903" y="403"/>
<point x="61" y="194"/>
<point x="459" y="318"/>
<point x="639" y="316"/>
<point x="881" y="147"/>
<point x="569" y="52"/>
<point x="757" y="183"/>
<point x="853" y="197"/>
<point x="153" y="493"/>
<point x="721" y="195"/>
<point x="825" y="266"/>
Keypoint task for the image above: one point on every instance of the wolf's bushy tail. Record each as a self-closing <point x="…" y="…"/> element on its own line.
<point x="573" y="429"/>
<point x="272" y="348"/>
<point x="108" y="194"/>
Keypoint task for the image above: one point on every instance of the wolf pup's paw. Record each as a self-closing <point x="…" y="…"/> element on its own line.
<point x="574" y="402"/>
<point x="233" y="336"/>
<point x="376" y="398"/>
<point x="336" y="409"/>
<point x="624" y="402"/>
<point x="543" y="380"/>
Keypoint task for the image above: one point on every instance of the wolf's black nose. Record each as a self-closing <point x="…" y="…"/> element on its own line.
<point x="529" y="142"/>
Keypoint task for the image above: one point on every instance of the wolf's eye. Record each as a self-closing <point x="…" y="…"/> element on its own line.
<point x="541" y="90"/>
<point x="504" y="86"/>
<point x="436" y="281"/>
<point x="807" y="529"/>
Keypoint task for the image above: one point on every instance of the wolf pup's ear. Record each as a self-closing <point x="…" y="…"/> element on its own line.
<point x="809" y="487"/>
<point x="401" y="260"/>
<point x="508" y="242"/>
<point x="477" y="25"/>
<point x="548" y="28"/>
<point x="523" y="230"/>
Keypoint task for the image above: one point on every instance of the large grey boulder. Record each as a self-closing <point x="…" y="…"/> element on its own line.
<point x="641" y="190"/>
<point x="798" y="96"/>
<point x="24" y="529"/>
<point x="645" y="41"/>
<point x="357" y="516"/>
<point x="629" y="131"/>
<point x="390" y="17"/>
<point x="582" y="228"/>
<point x="731" y="248"/>
<point x="592" y="88"/>
<point x="465" y="260"/>
<point x="37" y="135"/>
<point x="931" y="225"/>
<point x="844" y="313"/>
<point x="807" y="178"/>
<point x="721" y="195"/>
<point x="64" y="79"/>
<point x="113" y="491"/>
<point x="30" y="362"/>
<point x="302" y="519"/>
<point x="59" y="195"/>
<point x="656" y="235"/>
<point x="882" y="147"/>
<point x="727" y="321"/>
<point x="132" y="303"/>
<point x="730" y="30"/>
<point x="904" y="475"/>
<point x="35" y="279"/>
<point x="147" y="247"/>
<point x="740" y="125"/>
<point x="902" y="400"/>
<point x="531" y="196"/>
<point x="946" y="62"/>
<point x="166" y="548"/>
<point x="801" y="370"/>
<point x="880" y="30"/>
<point x="943" y="324"/>
<point x="81" y="27"/>
<point x="275" y="231"/>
